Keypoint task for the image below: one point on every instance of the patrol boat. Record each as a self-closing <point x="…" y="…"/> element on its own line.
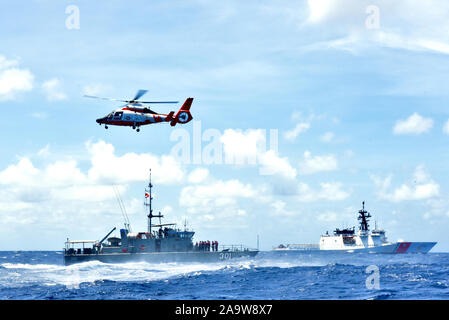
<point x="375" y="241"/>
<point x="165" y="244"/>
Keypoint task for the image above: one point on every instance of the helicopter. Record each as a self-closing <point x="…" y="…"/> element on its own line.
<point x="135" y="114"/>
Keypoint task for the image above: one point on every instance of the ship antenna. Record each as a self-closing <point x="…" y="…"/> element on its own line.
<point x="148" y="203"/>
<point x="150" y="186"/>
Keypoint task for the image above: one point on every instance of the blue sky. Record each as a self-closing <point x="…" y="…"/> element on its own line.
<point x="359" y="107"/>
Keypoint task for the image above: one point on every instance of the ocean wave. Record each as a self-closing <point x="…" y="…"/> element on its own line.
<point x="266" y="276"/>
<point x="73" y="276"/>
<point x="89" y="272"/>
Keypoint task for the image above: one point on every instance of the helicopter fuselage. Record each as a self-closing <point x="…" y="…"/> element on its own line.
<point x="127" y="117"/>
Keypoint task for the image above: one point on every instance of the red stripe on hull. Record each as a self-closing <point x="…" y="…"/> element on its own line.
<point x="403" y="247"/>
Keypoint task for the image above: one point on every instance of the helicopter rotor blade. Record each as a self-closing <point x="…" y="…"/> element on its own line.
<point x="110" y="99"/>
<point x="157" y="101"/>
<point x="133" y="101"/>
<point x="139" y="94"/>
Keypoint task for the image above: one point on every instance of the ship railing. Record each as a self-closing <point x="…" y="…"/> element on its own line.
<point x="74" y="247"/>
<point x="233" y="247"/>
<point x="303" y="246"/>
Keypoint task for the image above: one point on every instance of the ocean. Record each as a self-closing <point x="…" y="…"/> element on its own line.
<point x="281" y="275"/>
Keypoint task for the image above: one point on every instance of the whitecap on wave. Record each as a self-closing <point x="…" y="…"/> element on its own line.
<point x="19" y="274"/>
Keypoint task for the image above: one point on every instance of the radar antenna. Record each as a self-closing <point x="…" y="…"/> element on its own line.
<point x="363" y="216"/>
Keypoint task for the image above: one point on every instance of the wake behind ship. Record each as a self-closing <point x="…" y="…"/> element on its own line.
<point x="165" y="244"/>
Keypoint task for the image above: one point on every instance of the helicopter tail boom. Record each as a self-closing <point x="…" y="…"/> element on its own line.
<point x="169" y="116"/>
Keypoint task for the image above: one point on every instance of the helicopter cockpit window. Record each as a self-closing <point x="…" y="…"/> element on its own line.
<point x="110" y="115"/>
<point x="118" y="115"/>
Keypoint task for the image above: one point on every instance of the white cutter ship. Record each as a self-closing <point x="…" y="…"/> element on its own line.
<point x="374" y="241"/>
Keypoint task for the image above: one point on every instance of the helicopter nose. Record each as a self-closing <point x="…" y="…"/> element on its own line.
<point x="99" y="120"/>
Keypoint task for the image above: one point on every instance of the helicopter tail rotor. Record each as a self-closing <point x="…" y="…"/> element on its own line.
<point x="183" y="115"/>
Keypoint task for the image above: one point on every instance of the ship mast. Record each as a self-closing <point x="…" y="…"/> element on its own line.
<point x="363" y="216"/>
<point x="148" y="204"/>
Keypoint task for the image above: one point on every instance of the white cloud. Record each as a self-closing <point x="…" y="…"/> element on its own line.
<point x="272" y="164"/>
<point x="62" y="173"/>
<point x="13" y="79"/>
<point x="250" y="147"/>
<point x="327" y="217"/>
<point x="85" y="193"/>
<point x="312" y="164"/>
<point x="327" y="137"/>
<point x="53" y="90"/>
<point x="299" y="128"/>
<point x="131" y="167"/>
<point x="39" y="115"/>
<point x="418" y="192"/>
<point x="349" y="153"/>
<point x="320" y="9"/>
<point x="415" y="124"/>
<point x="6" y="64"/>
<point x="217" y="199"/>
<point x="198" y="175"/>
<point x="62" y="177"/>
<point x="279" y="207"/>
<point x="61" y="193"/>
<point x="399" y="41"/>
<point x="437" y="207"/>
<point x="243" y="147"/>
<point x="402" y="24"/>
<point x="446" y="127"/>
<point x="22" y="173"/>
<point x="217" y="193"/>
<point x="421" y="187"/>
<point x="44" y="152"/>
<point x="328" y="191"/>
<point x="94" y="89"/>
<point x="296" y="115"/>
